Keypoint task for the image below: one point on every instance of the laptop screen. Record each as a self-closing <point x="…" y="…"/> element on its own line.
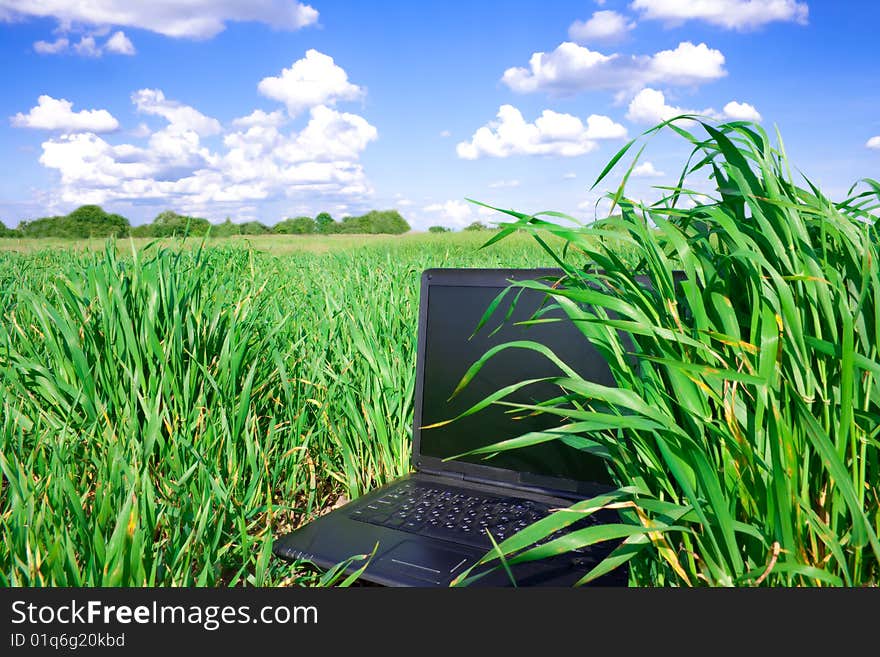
<point x="453" y="312"/>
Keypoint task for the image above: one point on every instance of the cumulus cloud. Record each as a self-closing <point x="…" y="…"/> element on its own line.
<point x="310" y="81"/>
<point x="873" y="142"/>
<point x="153" y="101"/>
<point x="741" y="111"/>
<point x="730" y="14"/>
<point x="650" y="106"/>
<point x="119" y="44"/>
<point x="195" y="19"/>
<point x="258" y="158"/>
<point x="259" y="162"/>
<point x="603" y="26"/>
<point x="142" y="130"/>
<point x="445" y="133"/>
<point x="261" y="118"/>
<point x="552" y="133"/>
<point x="646" y="170"/>
<point x="57" y="114"/>
<point x="572" y="68"/>
<point x="453" y="214"/>
<point x="52" y="47"/>
<point x="88" y="46"/>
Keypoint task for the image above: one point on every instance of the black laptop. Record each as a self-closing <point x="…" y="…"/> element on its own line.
<point x="433" y="524"/>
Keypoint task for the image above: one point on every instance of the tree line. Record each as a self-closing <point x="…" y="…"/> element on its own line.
<point x="92" y="221"/>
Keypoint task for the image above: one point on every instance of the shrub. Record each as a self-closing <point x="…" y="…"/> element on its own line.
<point x="295" y="226"/>
<point x="171" y="224"/>
<point x="253" y="228"/>
<point x="84" y="222"/>
<point x="324" y="224"/>
<point x="225" y="229"/>
<point x="438" y="229"/>
<point x="375" y="222"/>
<point x="477" y="225"/>
<point x="7" y="232"/>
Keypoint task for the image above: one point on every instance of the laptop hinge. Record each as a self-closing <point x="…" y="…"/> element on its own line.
<point x="442" y="473"/>
<point x="486" y="481"/>
<point x="518" y="486"/>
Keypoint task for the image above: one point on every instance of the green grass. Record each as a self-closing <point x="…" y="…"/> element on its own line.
<point x="743" y="431"/>
<point x="273" y="244"/>
<point x="167" y="411"/>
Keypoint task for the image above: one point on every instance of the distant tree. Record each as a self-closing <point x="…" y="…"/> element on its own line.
<point x="7" y="232"/>
<point x="296" y="226"/>
<point x="85" y="221"/>
<point x="375" y="221"/>
<point x="143" y="230"/>
<point x="253" y="228"/>
<point x="225" y="229"/>
<point x="324" y="224"/>
<point x="438" y="229"/>
<point x="477" y="225"/>
<point x="386" y="221"/>
<point x="353" y="225"/>
<point x="171" y="224"/>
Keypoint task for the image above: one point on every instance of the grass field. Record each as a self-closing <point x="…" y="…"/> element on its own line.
<point x="167" y="412"/>
<point x="278" y="245"/>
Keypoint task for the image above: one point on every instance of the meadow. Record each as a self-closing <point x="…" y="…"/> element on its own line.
<point x="169" y="408"/>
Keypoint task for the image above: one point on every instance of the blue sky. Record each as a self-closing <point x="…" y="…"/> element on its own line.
<point x="263" y="109"/>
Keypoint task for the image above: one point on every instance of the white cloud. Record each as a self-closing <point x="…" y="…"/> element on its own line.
<point x="257" y="161"/>
<point x="552" y="133"/>
<point x="646" y="170"/>
<point x="153" y="101"/>
<point x="741" y="111"/>
<point x="57" y="114"/>
<point x="329" y="136"/>
<point x="603" y="26"/>
<point x="87" y="47"/>
<point x="572" y="68"/>
<point x="649" y="106"/>
<point x="453" y="214"/>
<point x="571" y="175"/>
<point x="51" y="48"/>
<point x="120" y="44"/>
<point x="261" y="118"/>
<point x="687" y="64"/>
<point x="445" y="133"/>
<point x="197" y="19"/>
<point x="142" y="130"/>
<point x="313" y="80"/>
<point x="731" y="14"/>
<point x="504" y="184"/>
<point x="873" y="142"/>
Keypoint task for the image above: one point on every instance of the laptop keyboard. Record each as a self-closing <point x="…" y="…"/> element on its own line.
<point x="458" y="515"/>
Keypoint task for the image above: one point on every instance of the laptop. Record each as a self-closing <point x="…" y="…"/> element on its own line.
<point x="433" y="524"/>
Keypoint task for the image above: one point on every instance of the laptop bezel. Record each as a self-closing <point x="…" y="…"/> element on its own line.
<point x="472" y="471"/>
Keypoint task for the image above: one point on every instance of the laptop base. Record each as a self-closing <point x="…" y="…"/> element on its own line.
<point x="409" y="559"/>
